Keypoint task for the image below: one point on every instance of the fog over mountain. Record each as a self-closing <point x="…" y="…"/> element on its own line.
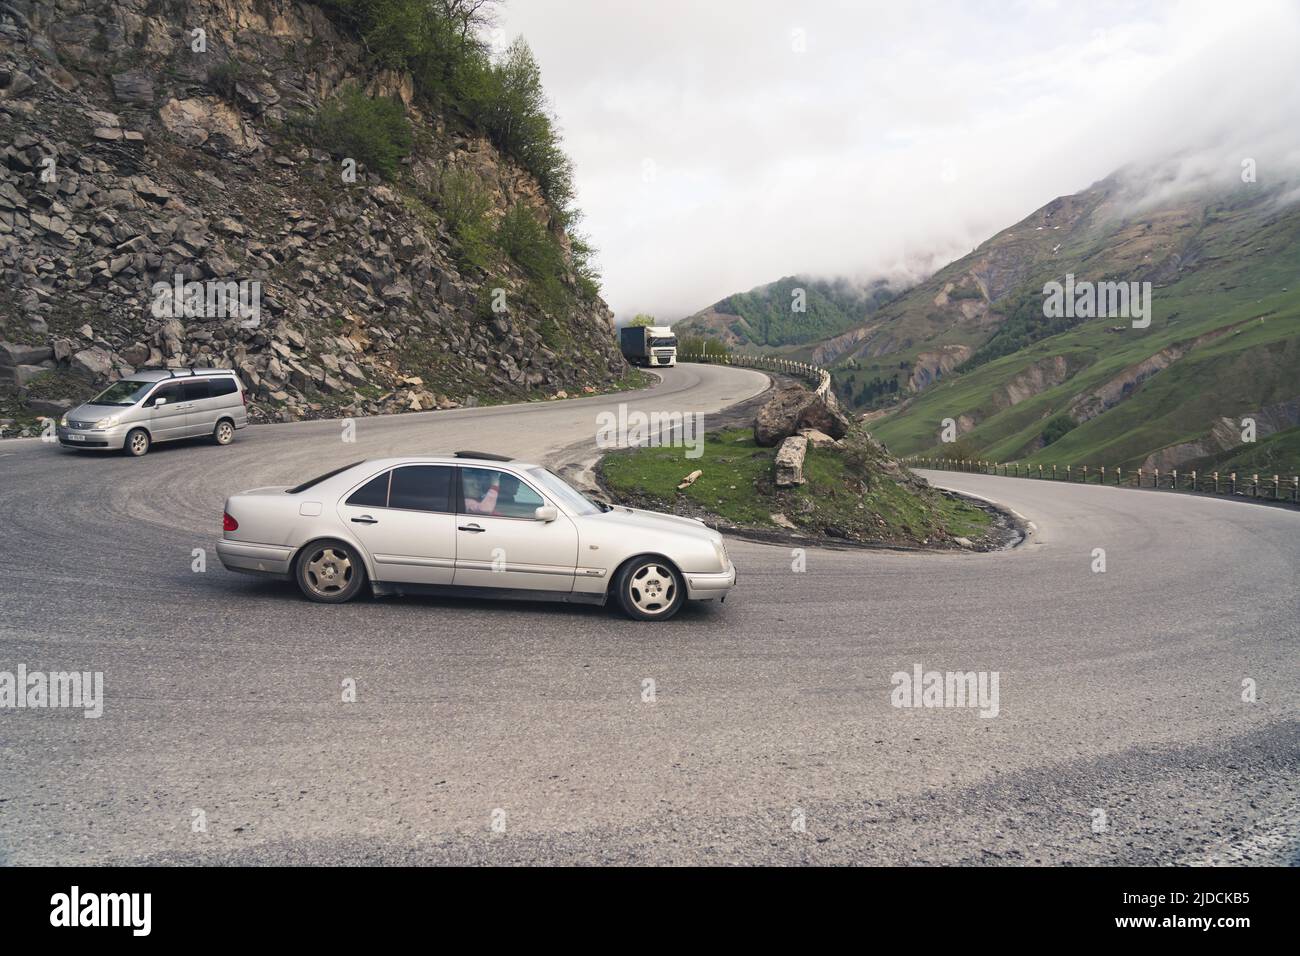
<point x="720" y="146"/>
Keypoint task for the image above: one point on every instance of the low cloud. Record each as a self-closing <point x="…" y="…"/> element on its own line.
<point x="724" y="145"/>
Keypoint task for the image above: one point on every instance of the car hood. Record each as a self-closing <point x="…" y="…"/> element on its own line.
<point x="93" y="413"/>
<point x="636" y="518"/>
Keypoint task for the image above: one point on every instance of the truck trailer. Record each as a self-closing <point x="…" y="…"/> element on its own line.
<point x="652" y="346"/>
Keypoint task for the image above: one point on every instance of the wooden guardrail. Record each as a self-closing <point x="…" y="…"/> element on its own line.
<point x="814" y="373"/>
<point x="1265" y="487"/>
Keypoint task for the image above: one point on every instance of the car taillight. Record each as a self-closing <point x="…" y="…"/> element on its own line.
<point x="228" y="523"/>
<point x="243" y="393"/>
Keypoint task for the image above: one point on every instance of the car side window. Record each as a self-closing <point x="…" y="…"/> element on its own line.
<point x="373" y="494"/>
<point x="171" y="391"/>
<point x="421" y="488"/>
<point x="223" y="386"/>
<point x="194" y="391"/>
<point x="489" y="491"/>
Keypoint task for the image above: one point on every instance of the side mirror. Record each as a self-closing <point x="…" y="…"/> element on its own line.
<point x="545" y="513"/>
<point x="159" y="402"/>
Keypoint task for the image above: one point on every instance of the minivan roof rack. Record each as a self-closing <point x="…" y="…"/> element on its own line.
<point x="484" y="455"/>
<point x="191" y="369"/>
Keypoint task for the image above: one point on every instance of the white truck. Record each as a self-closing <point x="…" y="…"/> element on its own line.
<point x="649" y="345"/>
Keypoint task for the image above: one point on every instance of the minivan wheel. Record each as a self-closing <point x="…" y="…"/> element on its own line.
<point x="137" y="443"/>
<point x="224" y="433"/>
<point x="330" y="572"/>
<point x="650" y="589"/>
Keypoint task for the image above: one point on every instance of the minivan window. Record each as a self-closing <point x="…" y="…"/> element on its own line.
<point x="223" y="386"/>
<point x="171" y="391"/>
<point x="194" y="391"/>
<point x="421" y="488"/>
<point x="373" y="494"/>
<point x="125" y="392"/>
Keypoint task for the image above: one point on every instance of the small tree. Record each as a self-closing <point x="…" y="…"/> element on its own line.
<point x="642" y="319"/>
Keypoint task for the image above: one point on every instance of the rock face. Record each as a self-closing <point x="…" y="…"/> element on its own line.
<point x="794" y="407"/>
<point x="789" y="461"/>
<point x="128" y="168"/>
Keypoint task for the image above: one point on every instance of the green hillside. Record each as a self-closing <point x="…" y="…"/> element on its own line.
<point x="790" y="311"/>
<point x="1223" y="343"/>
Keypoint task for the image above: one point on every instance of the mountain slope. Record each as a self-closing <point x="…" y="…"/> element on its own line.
<point x="1224" y="342"/>
<point x="441" y="274"/>
<point x="790" y="311"/>
<point x="974" y="344"/>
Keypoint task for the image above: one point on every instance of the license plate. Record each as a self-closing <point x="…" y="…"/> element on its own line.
<point x="77" y="437"/>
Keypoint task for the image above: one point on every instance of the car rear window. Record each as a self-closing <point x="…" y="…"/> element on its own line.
<point x="319" y="478"/>
<point x="421" y="488"/>
<point x="373" y="494"/>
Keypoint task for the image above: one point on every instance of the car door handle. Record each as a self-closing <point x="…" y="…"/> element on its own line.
<point x="471" y="527"/>
<point x="365" y="519"/>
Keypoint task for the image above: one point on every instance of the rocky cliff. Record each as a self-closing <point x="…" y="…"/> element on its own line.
<point x="161" y="205"/>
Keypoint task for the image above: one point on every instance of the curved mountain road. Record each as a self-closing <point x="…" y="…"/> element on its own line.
<point x="766" y="735"/>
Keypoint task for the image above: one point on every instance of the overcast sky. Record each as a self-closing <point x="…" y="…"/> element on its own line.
<point x="720" y="145"/>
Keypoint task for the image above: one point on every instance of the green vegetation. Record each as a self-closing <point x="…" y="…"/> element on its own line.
<point x="523" y="237"/>
<point x="371" y="130"/>
<point x="223" y="77"/>
<point x="848" y="493"/>
<point x="699" y="345"/>
<point x="790" y="311"/>
<point x="1057" y="428"/>
<point x="641" y="320"/>
<point x="441" y="44"/>
<point x="464" y="205"/>
<point x="438" y="42"/>
<point x="1230" y="319"/>
<point x="1278" y="454"/>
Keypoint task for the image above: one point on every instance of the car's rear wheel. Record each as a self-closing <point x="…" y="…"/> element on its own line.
<point x="224" y="433"/>
<point x="330" y="572"/>
<point x="137" y="443"/>
<point x="650" y="589"/>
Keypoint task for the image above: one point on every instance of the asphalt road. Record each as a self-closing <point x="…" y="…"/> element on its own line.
<point x="1121" y="734"/>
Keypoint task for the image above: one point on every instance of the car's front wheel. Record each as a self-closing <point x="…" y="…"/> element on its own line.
<point x="330" y="572"/>
<point x="650" y="589"/>
<point x="137" y="443"/>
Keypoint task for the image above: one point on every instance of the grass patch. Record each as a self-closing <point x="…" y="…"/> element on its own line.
<point x="849" y="492"/>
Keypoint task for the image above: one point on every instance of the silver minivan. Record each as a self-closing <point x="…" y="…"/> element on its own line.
<point x="155" y="405"/>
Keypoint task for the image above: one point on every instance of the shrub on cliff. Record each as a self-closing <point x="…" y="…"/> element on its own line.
<point x="371" y="130"/>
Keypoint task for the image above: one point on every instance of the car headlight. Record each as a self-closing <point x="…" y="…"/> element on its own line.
<point x="108" y="422"/>
<point x="63" y="422"/>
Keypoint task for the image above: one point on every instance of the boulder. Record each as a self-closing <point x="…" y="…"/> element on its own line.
<point x="794" y="407"/>
<point x="817" y="439"/>
<point x="789" y="461"/>
<point x="94" y="362"/>
<point x="12" y="355"/>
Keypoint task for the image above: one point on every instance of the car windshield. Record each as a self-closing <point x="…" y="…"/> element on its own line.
<point x="573" y="500"/>
<point x="125" y="392"/>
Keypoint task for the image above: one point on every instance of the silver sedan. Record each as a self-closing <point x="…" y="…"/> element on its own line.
<point x="471" y="525"/>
